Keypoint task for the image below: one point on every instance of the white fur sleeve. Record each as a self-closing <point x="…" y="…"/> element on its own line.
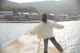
<point x="35" y="30"/>
<point x="56" y="25"/>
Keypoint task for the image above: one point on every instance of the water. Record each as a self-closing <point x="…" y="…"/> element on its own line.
<point x="68" y="37"/>
<point x="11" y="31"/>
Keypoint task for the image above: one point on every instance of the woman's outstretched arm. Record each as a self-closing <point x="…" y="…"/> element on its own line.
<point x="58" y="26"/>
<point x="34" y="30"/>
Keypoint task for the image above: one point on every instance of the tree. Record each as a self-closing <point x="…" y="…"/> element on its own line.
<point x="18" y="9"/>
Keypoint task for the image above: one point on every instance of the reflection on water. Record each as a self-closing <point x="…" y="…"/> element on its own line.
<point x="68" y="37"/>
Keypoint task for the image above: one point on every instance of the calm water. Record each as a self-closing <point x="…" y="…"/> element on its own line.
<point x="68" y="37"/>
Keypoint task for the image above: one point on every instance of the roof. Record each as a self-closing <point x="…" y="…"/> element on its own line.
<point x="6" y="12"/>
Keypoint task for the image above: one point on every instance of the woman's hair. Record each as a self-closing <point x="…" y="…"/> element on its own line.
<point x="44" y="18"/>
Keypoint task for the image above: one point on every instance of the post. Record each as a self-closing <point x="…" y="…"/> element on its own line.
<point x="39" y="45"/>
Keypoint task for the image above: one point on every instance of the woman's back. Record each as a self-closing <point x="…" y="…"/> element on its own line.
<point x="45" y="30"/>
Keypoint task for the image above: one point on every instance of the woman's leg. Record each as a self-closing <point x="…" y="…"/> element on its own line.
<point x="46" y="45"/>
<point x="56" y="44"/>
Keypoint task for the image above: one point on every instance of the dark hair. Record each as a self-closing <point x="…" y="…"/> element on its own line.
<point x="44" y="18"/>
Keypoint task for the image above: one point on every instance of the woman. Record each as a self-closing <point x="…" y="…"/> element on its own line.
<point x="45" y="30"/>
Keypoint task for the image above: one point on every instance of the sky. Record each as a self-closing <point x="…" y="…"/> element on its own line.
<point x="22" y="1"/>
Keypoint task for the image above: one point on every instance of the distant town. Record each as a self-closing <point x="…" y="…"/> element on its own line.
<point x="29" y="12"/>
<point x="25" y="16"/>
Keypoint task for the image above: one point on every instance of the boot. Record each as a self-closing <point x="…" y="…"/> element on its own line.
<point x="63" y="52"/>
<point x="45" y="52"/>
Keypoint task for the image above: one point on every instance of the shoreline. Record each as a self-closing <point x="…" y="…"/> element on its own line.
<point x="36" y="21"/>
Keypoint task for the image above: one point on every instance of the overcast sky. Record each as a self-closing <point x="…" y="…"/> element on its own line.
<point x="22" y="1"/>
